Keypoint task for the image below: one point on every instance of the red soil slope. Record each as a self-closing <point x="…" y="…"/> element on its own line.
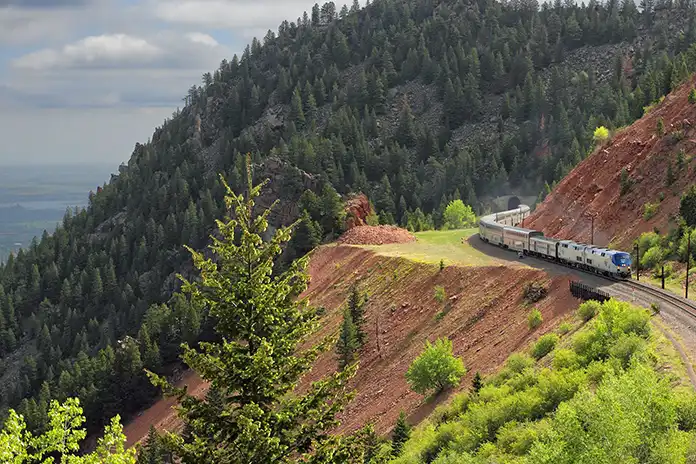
<point x="376" y="235"/>
<point x="486" y="320"/>
<point x="593" y="187"/>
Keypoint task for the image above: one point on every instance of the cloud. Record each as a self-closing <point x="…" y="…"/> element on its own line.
<point x="205" y="39"/>
<point x="42" y="3"/>
<point x="113" y="70"/>
<point x="243" y="17"/>
<point x="122" y="51"/>
<point x="97" y="51"/>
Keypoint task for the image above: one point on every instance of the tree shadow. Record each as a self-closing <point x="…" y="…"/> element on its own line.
<point x="428" y="406"/>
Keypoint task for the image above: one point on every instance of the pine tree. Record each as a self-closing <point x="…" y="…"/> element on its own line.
<point x="356" y="306"/>
<point x="260" y="322"/>
<point x="400" y="434"/>
<point x="151" y="451"/>
<point x="347" y="344"/>
<point x="296" y="112"/>
<point x="406" y="132"/>
<point x="476" y="383"/>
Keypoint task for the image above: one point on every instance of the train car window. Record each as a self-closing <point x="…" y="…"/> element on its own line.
<point x="589" y="261"/>
<point x="578" y="258"/>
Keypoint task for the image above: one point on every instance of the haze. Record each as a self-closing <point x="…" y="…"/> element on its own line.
<point x="84" y="80"/>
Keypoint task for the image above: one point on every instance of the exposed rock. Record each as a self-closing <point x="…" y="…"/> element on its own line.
<point x="357" y="210"/>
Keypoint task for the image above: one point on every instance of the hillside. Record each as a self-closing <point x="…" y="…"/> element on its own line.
<point x="412" y="102"/>
<point x="659" y="168"/>
<point x="485" y="316"/>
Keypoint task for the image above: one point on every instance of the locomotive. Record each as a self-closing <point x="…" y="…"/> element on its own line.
<point x="502" y="229"/>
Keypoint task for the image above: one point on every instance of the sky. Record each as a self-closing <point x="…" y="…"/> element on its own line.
<point x="81" y="81"/>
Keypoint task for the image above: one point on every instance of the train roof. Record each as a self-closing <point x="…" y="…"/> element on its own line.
<point x="548" y="239"/>
<point x="521" y="230"/>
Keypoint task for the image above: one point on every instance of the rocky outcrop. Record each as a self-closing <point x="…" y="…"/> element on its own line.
<point x="358" y="208"/>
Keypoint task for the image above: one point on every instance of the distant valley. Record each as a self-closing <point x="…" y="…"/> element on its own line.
<point x="34" y="198"/>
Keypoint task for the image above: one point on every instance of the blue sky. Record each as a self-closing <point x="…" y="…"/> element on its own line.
<point x="84" y="80"/>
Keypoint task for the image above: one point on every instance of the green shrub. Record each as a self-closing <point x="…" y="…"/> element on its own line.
<point x="517" y="362"/>
<point x="436" y="368"/>
<point x="534" y="319"/>
<point x="692" y="96"/>
<point x="588" y="310"/>
<point x="686" y="411"/>
<point x="648" y="240"/>
<point x="650" y="210"/>
<point x="440" y="294"/>
<point x="653" y="257"/>
<point x="544" y="345"/>
<point x="564" y="328"/>
<point x="601" y="134"/>
<point x="626" y="347"/>
<point x="564" y="358"/>
<point x="660" y="129"/>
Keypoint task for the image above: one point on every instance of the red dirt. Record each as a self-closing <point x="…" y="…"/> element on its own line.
<point x="486" y="321"/>
<point x="593" y="187"/>
<point x="376" y="235"/>
<point x="162" y="414"/>
<point x="358" y="208"/>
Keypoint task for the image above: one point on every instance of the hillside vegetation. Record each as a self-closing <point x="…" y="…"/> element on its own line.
<point x="597" y="397"/>
<point x="377" y="100"/>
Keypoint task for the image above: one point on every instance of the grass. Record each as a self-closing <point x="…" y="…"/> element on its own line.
<point x="435" y="245"/>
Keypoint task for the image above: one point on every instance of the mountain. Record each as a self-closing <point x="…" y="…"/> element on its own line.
<point x="412" y="102"/>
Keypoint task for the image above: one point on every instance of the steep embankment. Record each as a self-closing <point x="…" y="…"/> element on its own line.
<point x="594" y="187"/>
<point x="483" y="314"/>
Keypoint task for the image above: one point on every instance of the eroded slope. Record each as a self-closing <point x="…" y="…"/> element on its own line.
<point x="485" y="317"/>
<point x="594" y="186"/>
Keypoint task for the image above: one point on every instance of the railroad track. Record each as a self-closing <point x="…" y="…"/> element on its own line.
<point x="685" y="305"/>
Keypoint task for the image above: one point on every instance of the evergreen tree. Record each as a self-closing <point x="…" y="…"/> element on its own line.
<point x="476" y="383"/>
<point x="400" y="434"/>
<point x="406" y="133"/>
<point x="296" y="112"/>
<point x="356" y="306"/>
<point x="347" y="344"/>
<point x="256" y="362"/>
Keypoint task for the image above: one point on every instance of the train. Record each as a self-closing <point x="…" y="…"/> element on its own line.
<point x="504" y="230"/>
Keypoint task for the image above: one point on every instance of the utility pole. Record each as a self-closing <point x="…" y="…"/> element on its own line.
<point x="663" y="277"/>
<point x="637" y="262"/>
<point x="688" y="260"/>
<point x="592" y="233"/>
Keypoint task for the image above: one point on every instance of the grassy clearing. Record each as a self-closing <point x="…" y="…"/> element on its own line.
<point x="432" y="246"/>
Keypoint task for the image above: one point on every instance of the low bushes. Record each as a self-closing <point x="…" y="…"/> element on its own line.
<point x="600" y="401"/>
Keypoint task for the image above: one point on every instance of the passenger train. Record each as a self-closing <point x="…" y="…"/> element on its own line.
<point x="503" y="229"/>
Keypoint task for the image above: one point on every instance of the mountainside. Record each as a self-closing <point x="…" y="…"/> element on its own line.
<point x="656" y="166"/>
<point x="484" y="314"/>
<point x="412" y="102"/>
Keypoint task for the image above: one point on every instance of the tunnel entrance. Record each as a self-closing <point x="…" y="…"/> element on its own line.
<point x="513" y="203"/>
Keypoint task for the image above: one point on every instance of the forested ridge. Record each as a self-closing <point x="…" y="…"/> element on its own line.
<point x="413" y="102"/>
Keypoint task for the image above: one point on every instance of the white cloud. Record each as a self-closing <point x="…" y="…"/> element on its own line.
<point x="96" y="51"/>
<point x="239" y="16"/>
<point x="113" y="70"/>
<point x="205" y="39"/>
